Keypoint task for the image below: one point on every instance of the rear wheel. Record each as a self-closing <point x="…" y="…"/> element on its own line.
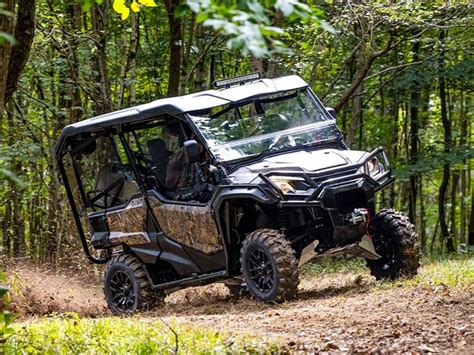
<point x="394" y="238"/>
<point x="269" y="266"/>
<point x="126" y="287"/>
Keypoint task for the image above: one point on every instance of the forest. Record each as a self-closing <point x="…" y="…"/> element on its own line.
<point x="399" y="74"/>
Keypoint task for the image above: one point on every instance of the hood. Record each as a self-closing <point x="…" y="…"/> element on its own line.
<point x="303" y="161"/>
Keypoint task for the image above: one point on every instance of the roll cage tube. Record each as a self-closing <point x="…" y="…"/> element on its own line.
<point x="86" y="200"/>
<point x="75" y="214"/>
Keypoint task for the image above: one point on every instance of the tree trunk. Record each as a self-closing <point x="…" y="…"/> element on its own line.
<point x="447" y="149"/>
<point x="256" y="65"/>
<point x="74" y="101"/>
<point x="360" y="75"/>
<point x="133" y="58"/>
<point x="101" y="94"/>
<point x="463" y="122"/>
<point x="6" y="26"/>
<point x="187" y="54"/>
<point x="470" y="239"/>
<point x="454" y="188"/>
<point x="18" y="222"/>
<point x="272" y="63"/>
<point x="414" y="125"/>
<point x="199" y="78"/>
<point x="356" y="119"/>
<point x="421" y="227"/>
<point x="394" y="141"/>
<point x="176" y="39"/>
<point x="24" y="33"/>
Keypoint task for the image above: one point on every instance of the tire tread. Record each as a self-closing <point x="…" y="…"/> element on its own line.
<point x="284" y="258"/>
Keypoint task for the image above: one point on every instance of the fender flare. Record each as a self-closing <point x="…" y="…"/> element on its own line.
<point x="226" y="193"/>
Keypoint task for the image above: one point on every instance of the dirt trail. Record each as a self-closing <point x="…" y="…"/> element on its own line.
<point x="339" y="312"/>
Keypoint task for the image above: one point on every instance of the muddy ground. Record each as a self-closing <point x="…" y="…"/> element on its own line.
<point x="347" y="312"/>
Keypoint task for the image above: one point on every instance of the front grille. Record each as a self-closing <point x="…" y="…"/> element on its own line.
<point x="347" y="201"/>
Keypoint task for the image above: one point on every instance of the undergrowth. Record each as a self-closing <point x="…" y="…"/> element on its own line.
<point x="456" y="271"/>
<point x="68" y="334"/>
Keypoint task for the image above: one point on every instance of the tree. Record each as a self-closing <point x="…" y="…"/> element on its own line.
<point x="13" y="57"/>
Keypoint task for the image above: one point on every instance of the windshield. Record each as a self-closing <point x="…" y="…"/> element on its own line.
<point x="264" y="124"/>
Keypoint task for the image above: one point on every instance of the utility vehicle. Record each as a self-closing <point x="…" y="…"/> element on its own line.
<point x="241" y="184"/>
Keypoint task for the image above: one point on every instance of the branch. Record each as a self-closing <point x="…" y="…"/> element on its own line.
<point x="360" y="75"/>
<point x="399" y="67"/>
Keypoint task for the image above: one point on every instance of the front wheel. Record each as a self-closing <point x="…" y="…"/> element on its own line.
<point x="394" y="238"/>
<point x="269" y="266"/>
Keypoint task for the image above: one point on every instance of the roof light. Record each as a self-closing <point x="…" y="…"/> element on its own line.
<point x="236" y="80"/>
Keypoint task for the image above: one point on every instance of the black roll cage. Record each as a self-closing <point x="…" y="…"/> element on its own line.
<point x="110" y="132"/>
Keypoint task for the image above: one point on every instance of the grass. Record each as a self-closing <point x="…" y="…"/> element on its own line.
<point x="455" y="271"/>
<point x="327" y="266"/>
<point x="68" y="334"/>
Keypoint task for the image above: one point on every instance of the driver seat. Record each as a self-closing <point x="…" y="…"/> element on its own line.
<point x="160" y="156"/>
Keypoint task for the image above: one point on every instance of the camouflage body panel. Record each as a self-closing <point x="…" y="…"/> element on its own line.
<point x="129" y="238"/>
<point x="128" y="225"/>
<point x="192" y="226"/>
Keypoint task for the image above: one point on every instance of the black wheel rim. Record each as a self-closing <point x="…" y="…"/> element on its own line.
<point x="386" y="250"/>
<point x="122" y="292"/>
<point x="260" y="269"/>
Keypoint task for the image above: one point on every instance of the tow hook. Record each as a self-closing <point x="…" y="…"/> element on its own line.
<point x="357" y="216"/>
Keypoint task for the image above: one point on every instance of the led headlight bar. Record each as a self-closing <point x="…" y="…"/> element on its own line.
<point x="225" y="83"/>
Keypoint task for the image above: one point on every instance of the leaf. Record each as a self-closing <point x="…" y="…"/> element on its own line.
<point x="285" y="7"/>
<point x="181" y="10"/>
<point x="125" y="13"/>
<point x="11" y="176"/>
<point x="135" y="6"/>
<point x="5" y="37"/>
<point x="149" y="3"/>
<point x="5" y="12"/>
<point x="87" y="5"/>
<point x="327" y="27"/>
<point x="122" y="9"/>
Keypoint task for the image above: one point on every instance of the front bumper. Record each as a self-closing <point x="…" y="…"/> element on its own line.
<point x="340" y="189"/>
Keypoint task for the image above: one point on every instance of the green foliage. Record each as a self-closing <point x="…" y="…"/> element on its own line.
<point x="249" y="25"/>
<point x="433" y="160"/>
<point x="88" y="3"/>
<point x="6" y="329"/>
<point x="69" y="334"/>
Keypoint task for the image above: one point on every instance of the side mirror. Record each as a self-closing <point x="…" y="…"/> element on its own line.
<point x="331" y="111"/>
<point x="191" y="151"/>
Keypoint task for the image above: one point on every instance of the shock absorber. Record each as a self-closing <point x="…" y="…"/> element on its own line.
<point x="283" y="220"/>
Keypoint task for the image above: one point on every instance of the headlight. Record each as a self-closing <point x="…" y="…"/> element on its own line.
<point x="283" y="184"/>
<point x="375" y="167"/>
